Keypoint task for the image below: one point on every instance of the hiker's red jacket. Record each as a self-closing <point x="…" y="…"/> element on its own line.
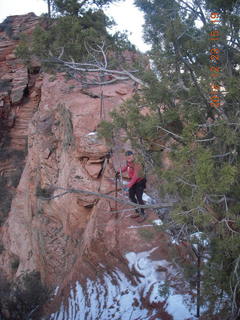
<point x="134" y="173"/>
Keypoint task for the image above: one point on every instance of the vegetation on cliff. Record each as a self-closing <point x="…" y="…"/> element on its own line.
<point x="74" y="34"/>
<point x="193" y="100"/>
<point x="73" y="7"/>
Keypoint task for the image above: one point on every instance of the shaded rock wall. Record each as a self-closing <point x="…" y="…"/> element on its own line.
<point x="20" y="94"/>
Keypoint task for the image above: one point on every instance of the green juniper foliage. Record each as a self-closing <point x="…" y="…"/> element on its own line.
<point x="76" y="7"/>
<point x="205" y="140"/>
<point x="76" y="28"/>
<point x="69" y="32"/>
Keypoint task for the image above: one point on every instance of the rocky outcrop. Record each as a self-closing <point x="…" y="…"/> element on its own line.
<point x="19" y="97"/>
<point x="16" y="109"/>
<point x="14" y="77"/>
<point x="63" y="151"/>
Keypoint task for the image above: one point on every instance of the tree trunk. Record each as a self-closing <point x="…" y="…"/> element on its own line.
<point x="49" y="8"/>
<point x="198" y="284"/>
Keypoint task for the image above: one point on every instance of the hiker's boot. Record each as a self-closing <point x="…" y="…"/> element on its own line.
<point x="142" y="218"/>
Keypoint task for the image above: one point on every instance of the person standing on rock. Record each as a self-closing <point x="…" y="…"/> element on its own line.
<point x="136" y="185"/>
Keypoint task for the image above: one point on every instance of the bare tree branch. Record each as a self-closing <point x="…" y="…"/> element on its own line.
<point x="204" y="140"/>
<point x="61" y="54"/>
<point x="187" y="183"/>
<point x="226" y="221"/>
<point x="99" y="65"/>
<point x="105" y="196"/>
<point x="223" y="155"/>
<point x="174" y="134"/>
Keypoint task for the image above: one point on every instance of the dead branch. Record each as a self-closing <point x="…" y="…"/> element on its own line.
<point x="115" y="75"/>
<point x="136" y="79"/>
<point x="223" y="155"/>
<point x="187" y="183"/>
<point x="99" y="50"/>
<point x="226" y="221"/>
<point x="185" y="213"/>
<point x="235" y="280"/>
<point x="98" y="65"/>
<point x="204" y="140"/>
<point x="105" y="196"/>
<point x="174" y="134"/>
<point x="61" y="54"/>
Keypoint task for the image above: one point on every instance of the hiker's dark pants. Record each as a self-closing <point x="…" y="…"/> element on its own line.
<point x="136" y="192"/>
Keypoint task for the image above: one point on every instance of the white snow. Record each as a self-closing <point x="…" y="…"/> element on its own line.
<point x="139" y="227"/>
<point x="175" y="241"/>
<point x="147" y="199"/>
<point x="116" y="297"/>
<point x="56" y="291"/>
<point x="199" y="238"/>
<point x="92" y="137"/>
<point x="196" y="239"/>
<point x="177" y="308"/>
<point x="134" y="257"/>
<point x="158" y="222"/>
<point x="94" y="133"/>
<point x="111" y="298"/>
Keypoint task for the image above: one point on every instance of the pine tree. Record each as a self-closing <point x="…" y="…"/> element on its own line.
<point x="76" y="7"/>
<point x="75" y="32"/>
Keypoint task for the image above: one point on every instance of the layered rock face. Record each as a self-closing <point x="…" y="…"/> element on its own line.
<point x="59" y="119"/>
<point x="19" y="98"/>
<point x="71" y="237"/>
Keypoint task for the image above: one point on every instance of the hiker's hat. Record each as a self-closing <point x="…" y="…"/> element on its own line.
<point x="128" y="153"/>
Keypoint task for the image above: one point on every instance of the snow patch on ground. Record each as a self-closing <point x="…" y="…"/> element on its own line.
<point x="114" y="296"/>
<point x="158" y="222"/>
<point x="94" y="133"/>
<point x="92" y="136"/>
<point x="147" y="199"/>
<point x="140" y="227"/>
<point x="176" y="307"/>
<point x="111" y="298"/>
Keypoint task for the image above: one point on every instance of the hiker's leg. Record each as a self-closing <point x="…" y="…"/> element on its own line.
<point x="139" y="194"/>
<point x="132" y="195"/>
